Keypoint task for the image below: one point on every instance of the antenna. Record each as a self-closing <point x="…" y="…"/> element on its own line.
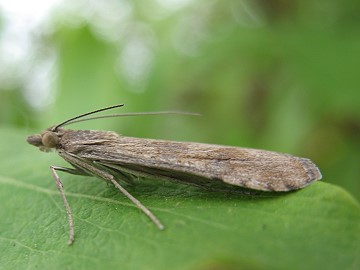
<point x="132" y="114"/>
<point x="80" y="118"/>
<point x="86" y="114"/>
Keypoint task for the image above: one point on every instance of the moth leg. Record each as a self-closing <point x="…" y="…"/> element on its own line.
<point x="67" y="206"/>
<point x="76" y="171"/>
<point x="118" y="174"/>
<point x="138" y="204"/>
<point x="109" y="177"/>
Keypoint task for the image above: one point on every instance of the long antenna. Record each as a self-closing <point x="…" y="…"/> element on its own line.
<point x="86" y="114"/>
<point x="131" y="114"/>
<point x="80" y="118"/>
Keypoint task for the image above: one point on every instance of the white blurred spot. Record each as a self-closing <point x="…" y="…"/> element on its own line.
<point x="23" y="22"/>
<point x="27" y="62"/>
<point x="246" y="13"/>
<point x="189" y="33"/>
<point x="173" y="4"/>
<point x="137" y="56"/>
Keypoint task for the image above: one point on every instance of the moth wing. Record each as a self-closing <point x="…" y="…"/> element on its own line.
<point x="197" y="163"/>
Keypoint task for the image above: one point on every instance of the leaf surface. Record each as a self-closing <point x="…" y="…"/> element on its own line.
<point x="315" y="228"/>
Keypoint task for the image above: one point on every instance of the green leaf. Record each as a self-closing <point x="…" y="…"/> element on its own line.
<point x="315" y="228"/>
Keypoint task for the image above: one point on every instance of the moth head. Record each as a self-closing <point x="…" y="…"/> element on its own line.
<point x="46" y="140"/>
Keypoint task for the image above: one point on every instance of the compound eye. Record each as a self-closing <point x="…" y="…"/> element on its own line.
<point x="50" y="139"/>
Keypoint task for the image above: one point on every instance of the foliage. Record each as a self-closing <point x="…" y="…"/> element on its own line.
<point x="274" y="75"/>
<point x="317" y="227"/>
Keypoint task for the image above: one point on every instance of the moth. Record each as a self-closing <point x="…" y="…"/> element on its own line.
<point x="117" y="159"/>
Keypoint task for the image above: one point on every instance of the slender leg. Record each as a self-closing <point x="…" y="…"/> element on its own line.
<point x="76" y="171"/>
<point x="117" y="172"/>
<point x="138" y="204"/>
<point x="67" y="206"/>
<point x="106" y="176"/>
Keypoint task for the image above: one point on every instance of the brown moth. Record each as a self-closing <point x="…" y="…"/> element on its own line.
<point x="113" y="157"/>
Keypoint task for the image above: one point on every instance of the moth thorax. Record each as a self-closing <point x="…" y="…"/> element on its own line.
<point x="50" y="139"/>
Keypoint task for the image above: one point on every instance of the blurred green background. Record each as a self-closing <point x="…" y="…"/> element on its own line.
<point x="277" y="75"/>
